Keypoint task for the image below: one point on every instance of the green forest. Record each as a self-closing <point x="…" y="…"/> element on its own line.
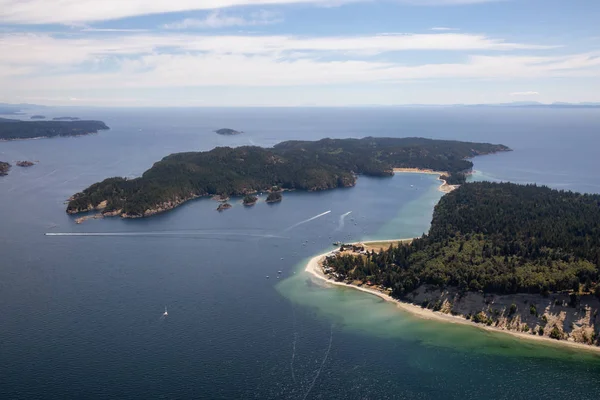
<point x="11" y="129"/>
<point x="299" y="165"/>
<point x="496" y="238"/>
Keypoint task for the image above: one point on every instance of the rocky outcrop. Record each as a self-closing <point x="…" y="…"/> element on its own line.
<point x="4" y="167"/>
<point x="250" y="200"/>
<point x="223" y="206"/>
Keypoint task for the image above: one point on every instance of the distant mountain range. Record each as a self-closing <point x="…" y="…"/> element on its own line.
<point x="558" y="104"/>
<point x="14" y="109"/>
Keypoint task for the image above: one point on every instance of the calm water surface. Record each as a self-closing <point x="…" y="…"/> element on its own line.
<point x="81" y="315"/>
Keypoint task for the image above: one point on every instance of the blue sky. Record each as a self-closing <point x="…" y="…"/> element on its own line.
<point x="298" y="52"/>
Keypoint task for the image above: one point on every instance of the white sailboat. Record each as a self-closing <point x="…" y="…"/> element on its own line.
<point x="165" y="314"/>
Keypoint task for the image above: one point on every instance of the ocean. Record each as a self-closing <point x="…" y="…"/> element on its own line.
<point x="82" y="307"/>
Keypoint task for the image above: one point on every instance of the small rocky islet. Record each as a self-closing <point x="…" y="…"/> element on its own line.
<point x="4" y="167"/>
<point x="250" y="200"/>
<point x="224" y="206"/>
<point x="274" y="197"/>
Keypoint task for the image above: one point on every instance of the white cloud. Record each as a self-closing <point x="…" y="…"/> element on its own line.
<point x="35" y="64"/>
<point x="524" y="94"/>
<point x="112" y="30"/>
<point x="43" y="49"/>
<point x="218" y="19"/>
<point x="267" y="70"/>
<point x="443" y="28"/>
<point x="73" y="11"/>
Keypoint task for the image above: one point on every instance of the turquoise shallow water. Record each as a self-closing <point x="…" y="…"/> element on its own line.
<point x="82" y="314"/>
<point x="370" y="315"/>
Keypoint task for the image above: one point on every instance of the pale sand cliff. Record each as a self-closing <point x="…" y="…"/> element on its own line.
<point x="313" y="267"/>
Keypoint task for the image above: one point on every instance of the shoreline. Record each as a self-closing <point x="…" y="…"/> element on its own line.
<point x="444" y="187"/>
<point x="50" y="137"/>
<point x="313" y="268"/>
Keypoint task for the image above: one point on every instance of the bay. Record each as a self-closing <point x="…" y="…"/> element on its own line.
<point x="82" y="314"/>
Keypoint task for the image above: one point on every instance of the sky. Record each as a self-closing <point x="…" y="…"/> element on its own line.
<point x="190" y="53"/>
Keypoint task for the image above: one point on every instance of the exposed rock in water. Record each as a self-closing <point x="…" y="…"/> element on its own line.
<point x="4" y="167"/>
<point x="88" y="217"/>
<point x="223" y="206"/>
<point x="25" y="163"/>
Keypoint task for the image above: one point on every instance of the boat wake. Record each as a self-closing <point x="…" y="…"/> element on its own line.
<point x="322" y="365"/>
<point x="342" y="219"/>
<point x="306" y="220"/>
<point x="166" y="234"/>
<point x="293" y="344"/>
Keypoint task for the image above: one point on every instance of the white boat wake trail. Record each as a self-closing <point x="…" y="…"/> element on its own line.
<point x="166" y="233"/>
<point x="322" y="364"/>
<point x="294" y="344"/>
<point x="306" y="220"/>
<point x="342" y="218"/>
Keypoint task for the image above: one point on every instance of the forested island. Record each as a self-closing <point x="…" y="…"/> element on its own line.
<point x="518" y="257"/>
<point x="38" y="117"/>
<point x="4" y="167"/>
<point x="12" y="129"/>
<point x="228" y="132"/>
<point x="291" y="165"/>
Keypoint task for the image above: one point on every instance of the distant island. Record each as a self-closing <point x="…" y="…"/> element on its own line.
<point x="38" y="117"/>
<point x="291" y="165"/>
<point x="12" y="129"/>
<point x="520" y="258"/>
<point x="65" y="119"/>
<point x="4" y="167"/>
<point x="227" y="132"/>
<point x="25" y="163"/>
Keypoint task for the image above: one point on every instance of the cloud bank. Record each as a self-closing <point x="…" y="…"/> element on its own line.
<point x="79" y="11"/>
<point x="524" y="94"/>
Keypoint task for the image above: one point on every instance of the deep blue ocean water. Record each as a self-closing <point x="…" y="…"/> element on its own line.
<point x="81" y="315"/>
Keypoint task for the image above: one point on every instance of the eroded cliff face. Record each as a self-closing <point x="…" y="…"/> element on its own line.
<point x="559" y="316"/>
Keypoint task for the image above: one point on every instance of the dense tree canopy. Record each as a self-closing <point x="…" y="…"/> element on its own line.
<point x="11" y="129"/>
<point x="325" y="164"/>
<point x="495" y="237"/>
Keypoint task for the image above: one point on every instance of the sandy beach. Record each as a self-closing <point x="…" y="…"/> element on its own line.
<point x="444" y="187"/>
<point x="313" y="267"/>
